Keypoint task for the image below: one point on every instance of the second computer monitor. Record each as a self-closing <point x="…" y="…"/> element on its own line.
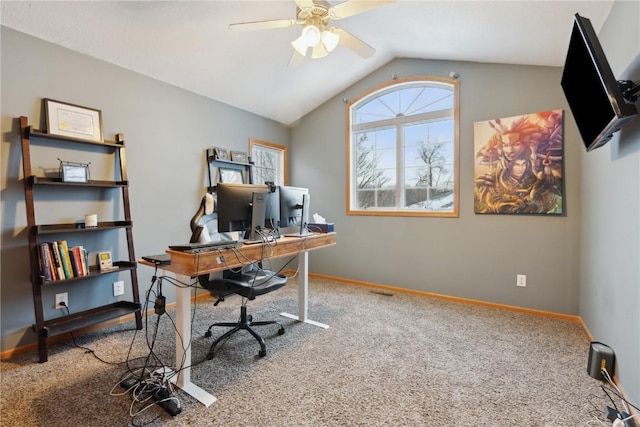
<point x="294" y="208"/>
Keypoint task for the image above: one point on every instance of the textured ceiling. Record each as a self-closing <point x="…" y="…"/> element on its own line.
<point x="188" y="44"/>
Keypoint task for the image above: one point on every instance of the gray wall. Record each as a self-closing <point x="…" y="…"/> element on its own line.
<point x="610" y="228"/>
<point x="473" y="256"/>
<point x="166" y="131"/>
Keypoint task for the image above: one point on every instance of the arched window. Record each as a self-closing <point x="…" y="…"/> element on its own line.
<point x="403" y="149"/>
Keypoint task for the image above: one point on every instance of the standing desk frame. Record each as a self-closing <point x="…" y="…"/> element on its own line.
<point x="187" y="265"/>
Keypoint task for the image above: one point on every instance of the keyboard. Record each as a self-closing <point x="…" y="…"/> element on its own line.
<point x="205" y="247"/>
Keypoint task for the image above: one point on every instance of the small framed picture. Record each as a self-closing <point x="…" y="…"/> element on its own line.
<point x="222" y="153"/>
<point x="239" y="156"/>
<point x="74" y="172"/>
<point x="231" y="175"/>
<point x="73" y="121"/>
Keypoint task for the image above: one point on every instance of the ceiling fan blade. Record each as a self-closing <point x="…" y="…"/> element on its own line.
<point x="353" y="43"/>
<point x="263" y="25"/>
<point x="304" y="4"/>
<point x="353" y="7"/>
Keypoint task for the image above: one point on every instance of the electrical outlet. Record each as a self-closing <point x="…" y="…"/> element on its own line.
<point x="118" y="288"/>
<point x="62" y="298"/>
<point x="521" y="280"/>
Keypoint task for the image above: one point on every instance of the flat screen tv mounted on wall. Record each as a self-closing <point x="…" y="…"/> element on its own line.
<point x="600" y="104"/>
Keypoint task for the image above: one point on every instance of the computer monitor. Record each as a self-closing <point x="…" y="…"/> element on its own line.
<point x="294" y="209"/>
<point x="247" y="208"/>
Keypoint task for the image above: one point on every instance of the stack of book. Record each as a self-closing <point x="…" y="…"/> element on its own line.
<point x="59" y="262"/>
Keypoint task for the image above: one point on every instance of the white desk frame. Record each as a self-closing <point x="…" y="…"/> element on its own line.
<point x="303" y="293"/>
<point x="183" y="327"/>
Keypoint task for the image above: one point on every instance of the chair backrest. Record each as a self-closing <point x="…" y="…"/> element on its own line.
<point x="203" y="216"/>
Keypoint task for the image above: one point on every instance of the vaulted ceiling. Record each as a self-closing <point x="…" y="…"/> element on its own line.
<point x="188" y="43"/>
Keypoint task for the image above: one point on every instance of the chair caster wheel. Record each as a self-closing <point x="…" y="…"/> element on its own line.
<point x="281" y="331"/>
<point x="262" y="353"/>
<point x="208" y="334"/>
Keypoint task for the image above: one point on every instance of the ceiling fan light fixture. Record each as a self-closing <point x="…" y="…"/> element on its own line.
<point x="319" y="51"/>
<point x="310" y="37"/>
<point x="311" y="34"/>
<point x="300" y="44"/>
<point x="330" y="40"/>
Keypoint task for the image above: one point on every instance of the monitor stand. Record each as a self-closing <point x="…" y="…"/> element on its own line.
<point x="258" y="207"/>
<point x="304" y="218"/>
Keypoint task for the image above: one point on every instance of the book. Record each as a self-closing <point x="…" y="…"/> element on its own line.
<point x="53" y="246"/>
<point x="45" y="266"/>
<point x="76" y="261"/>
<point x="74" y="264"/>
<point x="85" y="262"/>
<point x="52" y="263"/>
<point x="63" y="248"/>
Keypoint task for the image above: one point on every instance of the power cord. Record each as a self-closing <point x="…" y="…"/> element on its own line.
<point x="87" y="350"/>
<point x="150" y="384"/>
<point x="618" y="418"/>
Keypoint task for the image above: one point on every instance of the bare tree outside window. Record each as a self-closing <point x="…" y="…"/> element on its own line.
<point x="370" y="179"/>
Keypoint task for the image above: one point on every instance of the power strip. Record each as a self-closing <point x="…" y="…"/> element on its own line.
<point x="171" y="405"/>
<point x="162" y="397"/>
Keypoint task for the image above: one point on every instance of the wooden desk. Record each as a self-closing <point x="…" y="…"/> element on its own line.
<point x="187" y="265"/>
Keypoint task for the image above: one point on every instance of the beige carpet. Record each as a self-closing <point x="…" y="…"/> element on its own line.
<point x="386" y="360"/>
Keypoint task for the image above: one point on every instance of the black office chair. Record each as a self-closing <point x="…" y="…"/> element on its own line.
<point x="249" y="283"/>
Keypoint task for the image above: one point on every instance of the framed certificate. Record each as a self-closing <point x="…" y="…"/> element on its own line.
<point x="73" y="121"/>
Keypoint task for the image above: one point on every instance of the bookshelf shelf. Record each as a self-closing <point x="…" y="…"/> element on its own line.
<point x="93" y="273"/>
<point x="70" y="323"/>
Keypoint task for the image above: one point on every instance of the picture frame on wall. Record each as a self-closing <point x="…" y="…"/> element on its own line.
<point x="233" y="176"/>
<point x="221" y="153"/>
<point x="239" y="156"/>
<point x="73" y="121"/>
<point x="519" y="165"/>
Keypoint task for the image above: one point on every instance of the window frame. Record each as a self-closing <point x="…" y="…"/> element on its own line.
<point x="281" y="151"/>
<point x="352" y="129"/>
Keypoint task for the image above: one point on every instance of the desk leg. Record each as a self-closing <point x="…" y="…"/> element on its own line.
<point x="303" y="292"/>
<point x="183" y="344"/>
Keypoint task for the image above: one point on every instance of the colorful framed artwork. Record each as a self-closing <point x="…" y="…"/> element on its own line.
<point x="519" y="164"/>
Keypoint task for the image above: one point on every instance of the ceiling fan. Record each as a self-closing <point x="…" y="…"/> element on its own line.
<point x="318" y="33"/>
